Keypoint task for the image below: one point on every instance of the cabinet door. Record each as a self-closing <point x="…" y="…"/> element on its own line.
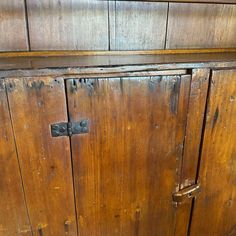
<point x="215" y="209"/>
<point x="13" y="212"/>
<point x="127" y="166"/>
<point x="45" y="162"/>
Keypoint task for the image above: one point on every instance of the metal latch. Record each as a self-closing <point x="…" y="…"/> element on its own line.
<point x="69" y="128"/>
<point x="187" y="193"/>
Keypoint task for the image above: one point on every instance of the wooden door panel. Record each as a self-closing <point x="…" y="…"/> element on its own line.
<point x="215" y="208"/>
<point x="128" y="165"/>
<point x="45" y="162"/>
<point x="195" y="120"/>
<point x="13" y="212"/>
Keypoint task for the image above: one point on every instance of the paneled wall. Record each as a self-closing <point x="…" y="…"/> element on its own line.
<point x="114" y="25"/>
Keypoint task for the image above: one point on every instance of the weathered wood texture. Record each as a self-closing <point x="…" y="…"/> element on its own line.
<point x="45" y="162"/>
<point x="127" y="167"/>
<point x="137" y="25"/>
<point x="13" y="33"/>
<point x="125" y="25"/>
<point x="72" y="24"/>
<point x="13" y="213"/>
<point x="84" y="65"/>
<point x="215" y="208"/>
<point x="186" y="1"/>
<point x="196" y="110"/>
<point x="201" y="26"/>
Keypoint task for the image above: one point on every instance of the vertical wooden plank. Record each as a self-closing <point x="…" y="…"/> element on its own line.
<point x="201" y="26"/>
<point x="13" y="32"/>
<point x="215" y="208"/>
<point x="127" y="167"/>
<point x="196" y="110"/>
<point x="68" y="24"/>
<point x="137" y="25"/>
<point x="35" y="103"/>
<point x="13" y="213"/>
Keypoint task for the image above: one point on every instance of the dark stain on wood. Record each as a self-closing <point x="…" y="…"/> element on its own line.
<point x="174" y="95"/>
<point x="215" y="118"/>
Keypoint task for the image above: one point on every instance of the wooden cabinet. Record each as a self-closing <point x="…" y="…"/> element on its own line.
<point x="146" y="142"/>
<point x="216" y="204"/>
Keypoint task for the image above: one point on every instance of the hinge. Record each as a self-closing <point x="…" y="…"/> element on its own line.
<point x="187" y="193"/>
<point x="69" y="128"/>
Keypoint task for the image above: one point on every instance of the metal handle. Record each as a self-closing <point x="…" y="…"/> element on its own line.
<point x="187" y="193"/>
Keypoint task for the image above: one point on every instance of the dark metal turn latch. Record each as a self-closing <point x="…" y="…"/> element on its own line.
<point x="69" y="128"/>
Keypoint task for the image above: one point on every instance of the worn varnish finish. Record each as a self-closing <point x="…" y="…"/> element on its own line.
<point x="196" y="110"/>
<point x="71" y="24"/>
<point x="79" y="65"/>
<point x="13" y="212"/>
<point x="13" y="33"/>
<point x="186" y="1"/>
<point x="216" y="204"/>
<point x="197" y="102"/>
<point x="125" y="25"/>
<point x="201" y="26"/>
<point x="45" y="162"/>
<point x="137" y="25"/>
<point x="127" y="167"/>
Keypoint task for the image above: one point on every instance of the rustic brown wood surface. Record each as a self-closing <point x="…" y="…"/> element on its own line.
<point x="137" y="26"/>
<point x="62" y="65"/>
<point x="215" y="209"/>
<point x="200" y="26"/>
<point x="45" y="162"/>
<point x="71" y="24"/>
<point x="186" y="1"/>
<point x="61" y="53"/>
<point x="118" y="25"/>
<point x="128" y="165"/>
<point x="13" y="32"/>
<point x="13" y="212"/>
<point x="196" y="110"/>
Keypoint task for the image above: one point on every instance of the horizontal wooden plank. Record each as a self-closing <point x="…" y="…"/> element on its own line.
<point x="184" y="1"/>
<point x="72" y="65"/>
<point x="113" y="53"/>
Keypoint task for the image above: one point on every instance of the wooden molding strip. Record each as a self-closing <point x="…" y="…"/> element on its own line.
<point x="112" y="53"/>
<point x="184" y="1"/>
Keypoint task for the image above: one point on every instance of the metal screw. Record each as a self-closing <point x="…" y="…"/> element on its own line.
<point x="55" y="127"/>
<point x="83" y="123"/>
<point x="62" y="129"/>
<point x="84" y="129"/>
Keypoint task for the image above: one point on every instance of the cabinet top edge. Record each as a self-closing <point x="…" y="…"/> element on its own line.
<point x="90" y="64"/>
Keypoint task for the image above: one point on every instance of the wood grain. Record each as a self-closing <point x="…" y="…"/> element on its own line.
<point x="68" y="25"/>
<point x="68" y="53"/>
<point x="13" y="33"/>
<point x="35" y="103"/>
<point x="196" y="111"/>
<point x="127" y="167"/>
<point x="137" y="25"/>
<point x="201" y="26"/>
<point x="186" y="1"/>
<point x="216" y="204"/>
<point x="13" y="212"/>
<point x="84" y="65"/>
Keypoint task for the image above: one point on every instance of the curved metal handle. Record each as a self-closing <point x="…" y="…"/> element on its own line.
<point x="187" y="193"/>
